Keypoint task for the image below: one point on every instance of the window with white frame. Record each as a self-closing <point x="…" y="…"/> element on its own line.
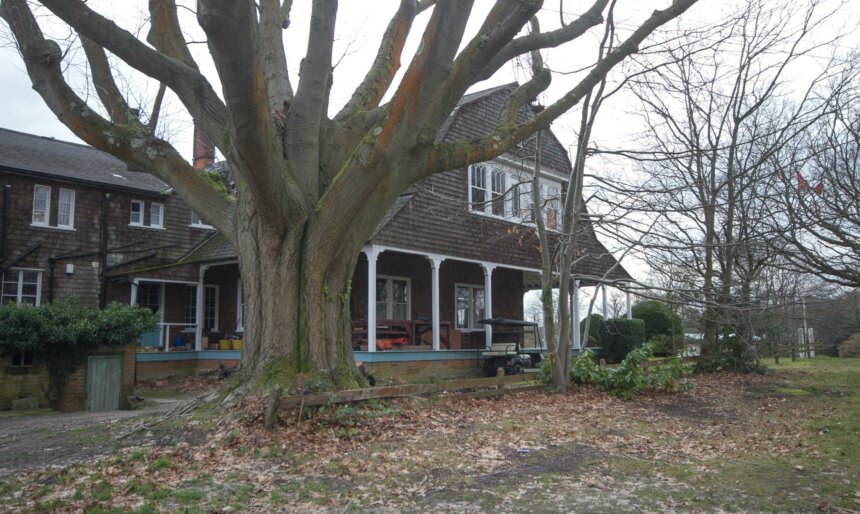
<point x="156" y="215"/>
<point x="478" y="187"/>
<point x="66" y="209"/>
<point x="41" y="205"/>
<point x="393" y="298"/>
<point x="502" y="192"/>
<point x="21" y="286"/>
<point x="210" y="306"/>
<point x="135" y="217"/>
<point x="196" y="222"/>
<point x="469" y="301"/>
<point x="191" y="305"/>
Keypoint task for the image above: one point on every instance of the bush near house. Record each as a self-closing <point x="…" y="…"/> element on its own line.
<point x="60" y="334"/>
<point x="593" y="338"/>
<point x="663" y="327"/>
<point x="850" y="347"/>
<point x="619" y="336"/>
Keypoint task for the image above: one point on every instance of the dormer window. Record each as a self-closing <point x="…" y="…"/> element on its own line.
<point x="156" y="215"/>
<point x="196" y="222"/>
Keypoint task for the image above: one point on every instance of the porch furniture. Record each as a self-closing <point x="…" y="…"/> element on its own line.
<point x="399" y="332"/>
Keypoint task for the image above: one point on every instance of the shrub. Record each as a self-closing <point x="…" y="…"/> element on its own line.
<point x="630" y="378"/>
<point x="619" y="336"/>
<point x="850" y="347"/>
<point x="61" y="334"/>
<point x="593" y="337"/>
<point x="662" y="326"/>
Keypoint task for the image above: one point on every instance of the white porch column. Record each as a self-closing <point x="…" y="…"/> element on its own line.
<point x="133" y="299"/>
<point x="574" y="319"/>
<point x="488" y="302"/>
<point x="435" y="263"/>
<point x="629" y="304"/>
<point x="198" y="315"/>
<point x="605" y="309"/>
<point x="372" y="254"/>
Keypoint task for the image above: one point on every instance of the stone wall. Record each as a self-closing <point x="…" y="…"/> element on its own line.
<point x="22" y="382"/>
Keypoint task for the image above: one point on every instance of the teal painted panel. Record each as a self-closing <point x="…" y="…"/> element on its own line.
<point x="104" y="382"/>
<point x="152" y="338"/>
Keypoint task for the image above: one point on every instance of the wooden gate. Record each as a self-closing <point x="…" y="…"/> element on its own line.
<point x="104" y="382"/>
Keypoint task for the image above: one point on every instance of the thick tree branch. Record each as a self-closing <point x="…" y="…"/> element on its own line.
<point x="192" y="88"/>
<point x="165" y="33"/>
<point x="461" y="153"/>
<point x="274" y="19"/>
<point x="132" y="144"/>
<point x="309" y="107"/>
<point x="105" y="85"/>
<point x="232" y="33"/>
<point x="378" y="79"/>
<point x="539" y="40"/>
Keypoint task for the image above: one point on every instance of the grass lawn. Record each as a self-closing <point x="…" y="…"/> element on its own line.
<point x="785" y="441"/>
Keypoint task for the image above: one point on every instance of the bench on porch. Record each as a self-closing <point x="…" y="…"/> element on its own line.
<point x="400" y="332"/>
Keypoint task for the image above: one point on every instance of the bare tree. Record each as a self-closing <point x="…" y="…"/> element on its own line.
<point x="310" y="187"/>
<point x="716" y="115"/>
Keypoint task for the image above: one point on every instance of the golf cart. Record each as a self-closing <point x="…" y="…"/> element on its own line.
<point x="517" y="345"/>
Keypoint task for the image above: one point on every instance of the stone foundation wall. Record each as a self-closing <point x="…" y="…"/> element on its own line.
<point x="22" y="382"/>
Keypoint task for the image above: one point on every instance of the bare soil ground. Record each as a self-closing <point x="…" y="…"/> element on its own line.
<point x="787" y="441"/>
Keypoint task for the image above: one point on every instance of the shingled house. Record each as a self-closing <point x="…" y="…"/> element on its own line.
<point x="458" y="247"/>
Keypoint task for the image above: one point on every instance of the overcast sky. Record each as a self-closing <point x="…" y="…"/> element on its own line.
<point x="358" y="33"/>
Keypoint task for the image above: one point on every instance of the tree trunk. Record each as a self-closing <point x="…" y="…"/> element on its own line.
<point x="296" y="313"/>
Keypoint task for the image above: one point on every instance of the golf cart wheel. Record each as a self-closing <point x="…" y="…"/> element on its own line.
<point x="517" y="368"/>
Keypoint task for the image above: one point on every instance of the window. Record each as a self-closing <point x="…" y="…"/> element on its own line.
<point x="478" y="187"/>
<point x="191" y="305"/>
<point x="149" y="295"/>
<point x="21" y="286"/>
<point x="470" y="306"/>
<point x="498" y="193"/>
<point x="199" y="223"/>
<point x="156" y="215"/>
<point x="393" y="298"/>
<point x="550" y="198"/>
<point x="210" y="307"/>
<point x="136" y="213"/>
<point x="41" y="205"/>
<point x="66" y="209"/>
<point x="22" y="359"/>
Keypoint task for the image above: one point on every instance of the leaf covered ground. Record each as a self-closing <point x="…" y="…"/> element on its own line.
<point x="785" y="441"/>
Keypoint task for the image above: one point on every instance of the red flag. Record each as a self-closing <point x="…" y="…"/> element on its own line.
<point x="819" y="188"/>
<point x="801" y="182"/>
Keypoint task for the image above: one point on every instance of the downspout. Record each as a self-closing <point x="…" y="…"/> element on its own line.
<point x="103" y="241"/>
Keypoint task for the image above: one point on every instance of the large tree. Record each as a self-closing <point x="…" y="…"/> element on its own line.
<point x="311" y="185"/>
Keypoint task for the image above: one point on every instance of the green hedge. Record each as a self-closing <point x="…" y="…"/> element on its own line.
<point x="619" y="336"/>
<point x="663" y="327"/>
<point x="60" y="334"/>
<point x="593" y="329"/>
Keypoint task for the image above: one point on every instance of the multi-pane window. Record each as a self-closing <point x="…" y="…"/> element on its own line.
<point x="22" y="359"/>
<point x="392" y="298"/>
<point x="156" y="215"/>
<point x="498" y="193"/>
<point x="21" y="286"/>
<point x="210" y="307"/>
<point x="470" y="306"/>
<point x="136" y="213"/>
<point x="149" y="295"/>
<point x="550" y="197"/>
<point x="191" y="305"/>
<point x="41" y="205"/>
<point x="478" y="187"/>
<point x="66" y="209"/>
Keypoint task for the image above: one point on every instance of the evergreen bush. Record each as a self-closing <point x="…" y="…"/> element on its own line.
<point x="619" y="336"/>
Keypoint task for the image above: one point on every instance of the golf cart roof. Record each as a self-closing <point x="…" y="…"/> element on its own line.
<point x="503" y="322"/>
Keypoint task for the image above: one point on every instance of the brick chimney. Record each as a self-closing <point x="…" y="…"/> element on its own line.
<point x="204" y="152"/>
